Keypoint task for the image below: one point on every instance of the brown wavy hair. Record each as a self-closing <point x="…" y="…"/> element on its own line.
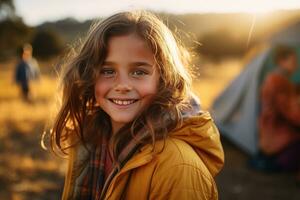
<point x="80" y="121"/>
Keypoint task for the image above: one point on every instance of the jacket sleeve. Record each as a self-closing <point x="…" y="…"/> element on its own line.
<point x="290" y="108"/>
<point x="183" y="182"/>
<point x="287" y="102"/>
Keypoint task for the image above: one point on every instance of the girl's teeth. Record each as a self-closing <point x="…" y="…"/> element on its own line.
<point x="120" y="102"/>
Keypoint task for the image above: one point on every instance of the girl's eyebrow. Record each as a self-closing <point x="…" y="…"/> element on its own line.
<point x="109" y="63"/>
<point x="133" y="64"/>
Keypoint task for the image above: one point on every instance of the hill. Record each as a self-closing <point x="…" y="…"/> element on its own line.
<point x="195" y="25"/>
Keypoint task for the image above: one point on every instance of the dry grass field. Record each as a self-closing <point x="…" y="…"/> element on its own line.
<point x="26" y="170"/>
<point x="213" y="78"/>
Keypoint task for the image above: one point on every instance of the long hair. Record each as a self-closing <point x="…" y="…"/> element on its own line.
<point x="80" y="121"/>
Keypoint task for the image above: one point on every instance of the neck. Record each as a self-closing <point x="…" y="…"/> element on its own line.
<point x="116" y="126"/>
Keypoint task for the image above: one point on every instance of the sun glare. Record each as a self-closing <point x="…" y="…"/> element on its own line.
<point x="73" y="8"/>
<point x="260" y="12"/>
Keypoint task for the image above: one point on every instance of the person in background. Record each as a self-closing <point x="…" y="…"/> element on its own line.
<point x="279" y="121"/>
<point x="27" y="69"/>
<point x="34" y="70"/>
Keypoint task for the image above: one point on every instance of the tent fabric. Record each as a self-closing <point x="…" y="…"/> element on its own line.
<point x="236" y="110"/>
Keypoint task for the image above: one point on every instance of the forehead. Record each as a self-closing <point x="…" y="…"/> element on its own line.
<point x="129" y="46"/>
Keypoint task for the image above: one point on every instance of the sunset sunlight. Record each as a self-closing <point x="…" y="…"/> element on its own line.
<point x="149" y="99"/>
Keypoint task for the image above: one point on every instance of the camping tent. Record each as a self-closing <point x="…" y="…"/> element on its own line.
<point x="235" y="111"/>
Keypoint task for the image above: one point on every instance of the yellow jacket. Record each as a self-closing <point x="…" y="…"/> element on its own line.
<point x="181" y="168"/>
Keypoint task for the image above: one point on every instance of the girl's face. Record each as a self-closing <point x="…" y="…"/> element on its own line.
<point x="128" y="79"/>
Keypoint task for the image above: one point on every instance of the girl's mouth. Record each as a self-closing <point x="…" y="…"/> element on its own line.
<point x="123" y="102"/>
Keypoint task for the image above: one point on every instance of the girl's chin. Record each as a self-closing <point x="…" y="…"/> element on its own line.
<point x="120" y="122"/>
<point x="117" y="124"/>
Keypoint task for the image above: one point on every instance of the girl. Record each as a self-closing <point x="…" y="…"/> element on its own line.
<point x="128" y="123"/>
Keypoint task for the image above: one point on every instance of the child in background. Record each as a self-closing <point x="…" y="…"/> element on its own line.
<point x="26" y="70"/>
<point x="279" y="121"/>
<point x="128" y="120"/>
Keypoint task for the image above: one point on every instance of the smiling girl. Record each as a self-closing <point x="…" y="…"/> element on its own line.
<point x="128" y="120"/>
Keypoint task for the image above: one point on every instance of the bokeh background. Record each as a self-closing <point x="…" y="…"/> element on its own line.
<point x="222" y="36"/>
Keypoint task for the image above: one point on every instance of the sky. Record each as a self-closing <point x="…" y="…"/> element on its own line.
<point x="35" y="12"/>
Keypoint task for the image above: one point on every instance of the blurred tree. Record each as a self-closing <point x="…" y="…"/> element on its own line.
<point x="7" y="9"/>
<point x="46" y="43"/>
<point x="13" y="34"/>
<point x="221" y="44"/>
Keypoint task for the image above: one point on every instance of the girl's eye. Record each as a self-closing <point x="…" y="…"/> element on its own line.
<point x="107" y="72"/>
<point x="139" y="73"/>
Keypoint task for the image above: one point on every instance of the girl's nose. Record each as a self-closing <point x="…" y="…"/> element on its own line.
<point x="123" y="85"/>
<point x="123" y="88"/>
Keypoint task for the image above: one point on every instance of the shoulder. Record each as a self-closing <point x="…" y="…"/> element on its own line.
<point x="178" y="152"/>
<point x="175" y="153"/>
<point x="275" y="77"/>
<point x="180" y="173"/>
<point x="276" y="81"/>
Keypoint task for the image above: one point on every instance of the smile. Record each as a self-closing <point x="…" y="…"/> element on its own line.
<point x="123" y="102"/>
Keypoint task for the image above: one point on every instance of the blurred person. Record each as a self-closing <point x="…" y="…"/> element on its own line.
<point x="34" y="70"/>
<point x="279" y="121"/>
<point x="27" y="69"/>
<point x="127" y="120"/>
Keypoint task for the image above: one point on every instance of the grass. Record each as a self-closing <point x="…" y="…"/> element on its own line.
<point x="26" y="170"/>
<point x="213" y="79"/>
<point x="14" y="110"/>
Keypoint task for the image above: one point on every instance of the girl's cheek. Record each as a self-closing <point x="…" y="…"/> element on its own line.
<point x="101" y="88"/>
<point x="147" y="89"/>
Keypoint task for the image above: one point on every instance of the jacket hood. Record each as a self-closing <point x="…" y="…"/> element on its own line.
<point x="201" y="133"/>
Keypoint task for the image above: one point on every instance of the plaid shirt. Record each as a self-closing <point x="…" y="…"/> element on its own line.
<point x="93" y="182"/>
